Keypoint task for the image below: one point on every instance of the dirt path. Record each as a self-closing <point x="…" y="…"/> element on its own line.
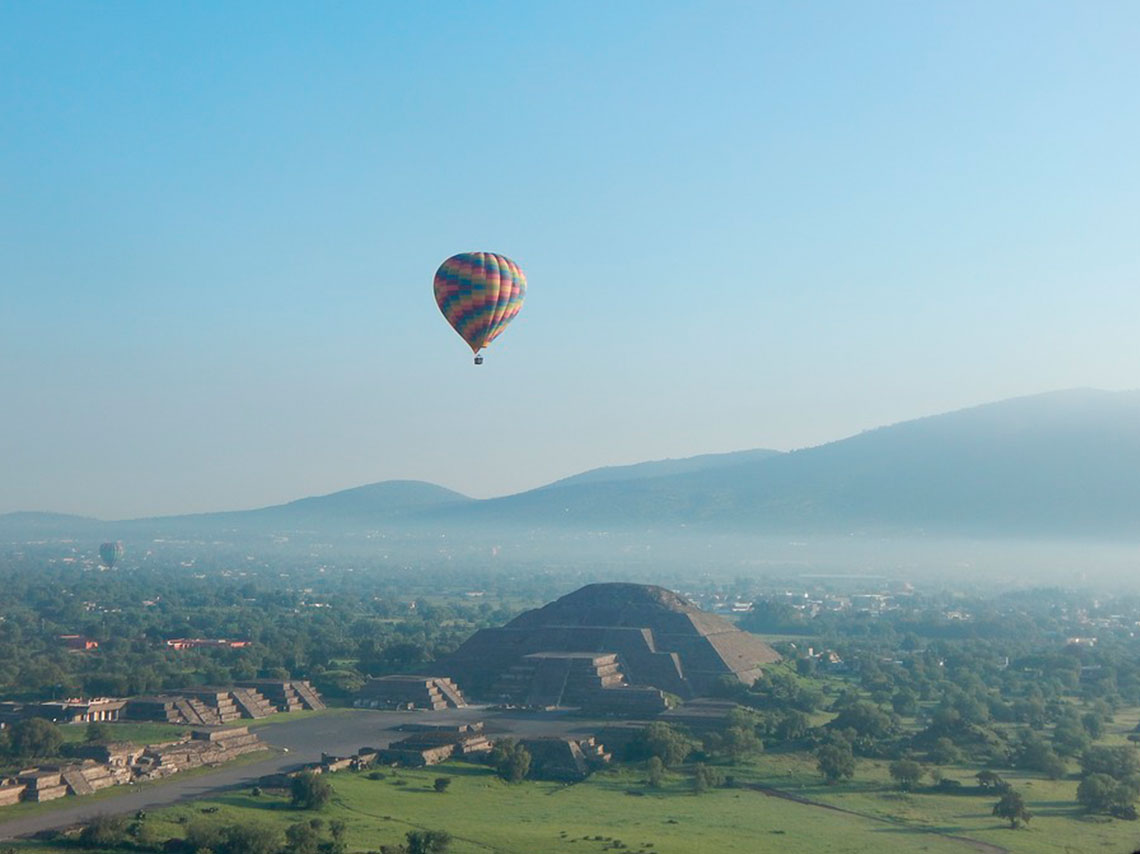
<point x="976" y="844"/>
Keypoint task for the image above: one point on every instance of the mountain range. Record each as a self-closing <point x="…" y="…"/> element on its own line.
<point x="1058" y="464"/>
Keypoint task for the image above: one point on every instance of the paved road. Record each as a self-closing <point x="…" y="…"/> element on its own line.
<point x="295" y="743"/>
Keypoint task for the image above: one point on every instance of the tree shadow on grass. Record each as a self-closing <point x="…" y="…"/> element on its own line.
<point x="243" y="802"/>
<point x="937" y="829"/>
<point x="1059" y="809"/>
<point x="459" y="770"/>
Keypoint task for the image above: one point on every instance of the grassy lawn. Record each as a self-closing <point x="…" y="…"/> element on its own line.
<point x="1058" y="825"/>
<point x="138" y="733"/>
<point x="484" y="814"/>
<point x="867" y="815"/>
<point x="286" y="717"/>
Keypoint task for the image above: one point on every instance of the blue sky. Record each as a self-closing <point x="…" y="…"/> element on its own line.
<point x="744" y="225"/>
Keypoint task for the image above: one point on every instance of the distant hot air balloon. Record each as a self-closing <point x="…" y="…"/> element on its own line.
<point x="110" y="553"/>
<point x="479" y="293"/>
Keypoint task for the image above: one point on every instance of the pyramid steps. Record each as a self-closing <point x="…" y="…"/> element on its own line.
<point x="251" y="704"/>
<point x="309" y="697"/>
<point x="450" y="692"/>
<point x="76" y="782"/>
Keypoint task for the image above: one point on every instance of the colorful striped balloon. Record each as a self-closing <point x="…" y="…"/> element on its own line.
<point x="479" y="293"/>
<point x="110" y="553"/>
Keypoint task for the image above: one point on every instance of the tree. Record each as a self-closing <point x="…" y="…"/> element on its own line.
<point x="310" y="791"/>
<point x="1053" y="766"/>
<point x="205" y="836"/>
<point x="1012" y="808"/>
<point x="656" y="770"/>
<point x="1034" y="754"/>
<point x="836" y="762"/>
<point x="792" y="725"/>
<point x="705" y="778"/>
<point x="338" y="830"/>
<point x="905" y="702"/>
<point x="663" y="741"/>
<point x="301" y="838"/>
<point x="1093" y="725"/>
<point x="989" y="781"/>
<point x="1118" y="762"/>
<point x="511" y="760"/>
<point x="106" y="831"/>
<point x="97" y="733"/>
<point x="250" y="839"/>
<point x="428" y="841"/>
<point x="905" y="772"/>
<point x="1097" y="792"/>
<point x="741" y="741"/>
<point x="1100" y="793"/>
<point x="441" y="784"/>
<point x="945" y="752"/>
<point x="867" y="719"/>
<point x="33" y="737"/>
<point x="1070" y="738"/>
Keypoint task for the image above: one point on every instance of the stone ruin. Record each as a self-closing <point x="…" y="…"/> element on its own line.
<point x="567" y="760"/>
<point x="115" y="764"/>
<point x="410" y="692"/>
<point x="428" y="745"/>
<point x="607" y="649"/>
<point x="252" y="699"/>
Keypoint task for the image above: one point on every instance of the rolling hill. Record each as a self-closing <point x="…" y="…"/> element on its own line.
<point x="1058" y="464"/>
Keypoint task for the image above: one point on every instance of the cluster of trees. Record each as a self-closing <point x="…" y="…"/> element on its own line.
<point x="333" y="629"/>
<point x="1001" y="688"/>
<point x="314" y="836"/>
<point x="1110" y="781"/>
<point x="31" y="738"/>
<point x="308" y="836"/>
<point x="664" y="747"/>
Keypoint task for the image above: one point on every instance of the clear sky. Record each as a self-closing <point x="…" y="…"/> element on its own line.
<point x="744" y="224"/>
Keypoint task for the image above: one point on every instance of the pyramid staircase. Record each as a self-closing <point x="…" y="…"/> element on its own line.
<point x="407" y="691"/>
<point x="309" y="698"/>
<point x="286" y="695"/>
<point x="547" y="679"/>
<point x="194" y="712"/>
<point x="450" y="691"/>
<point x="251" y="703"/>
<point x="76" y="782"/>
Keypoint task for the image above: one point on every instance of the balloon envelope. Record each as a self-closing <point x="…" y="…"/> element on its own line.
<point x="479" y="293"/>
<point x="109" y="553"/>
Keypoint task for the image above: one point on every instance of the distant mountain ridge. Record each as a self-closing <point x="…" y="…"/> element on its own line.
<point x="1063" y="463"/>
<point x="1059" y="463"/>
<point x="663" y="468"/>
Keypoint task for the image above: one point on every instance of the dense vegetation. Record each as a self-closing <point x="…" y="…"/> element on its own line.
<point x="929" y="694"/>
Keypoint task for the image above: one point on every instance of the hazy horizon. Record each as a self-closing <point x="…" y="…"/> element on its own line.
<point x="744" y="226"/>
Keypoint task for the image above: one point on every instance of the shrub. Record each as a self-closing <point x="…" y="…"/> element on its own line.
<point x="106" y="831"/>
<point x="310" y="791"/>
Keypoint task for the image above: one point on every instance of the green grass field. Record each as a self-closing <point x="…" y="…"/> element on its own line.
<point x="867" y="815"/>
<point x="1058" y="826"/>
<point x="138" y="733"/>
<point x="485" y="814"/>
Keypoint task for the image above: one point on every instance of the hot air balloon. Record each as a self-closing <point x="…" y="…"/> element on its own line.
<point x="110" y="553"/>
<point x="479" y="293"/>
